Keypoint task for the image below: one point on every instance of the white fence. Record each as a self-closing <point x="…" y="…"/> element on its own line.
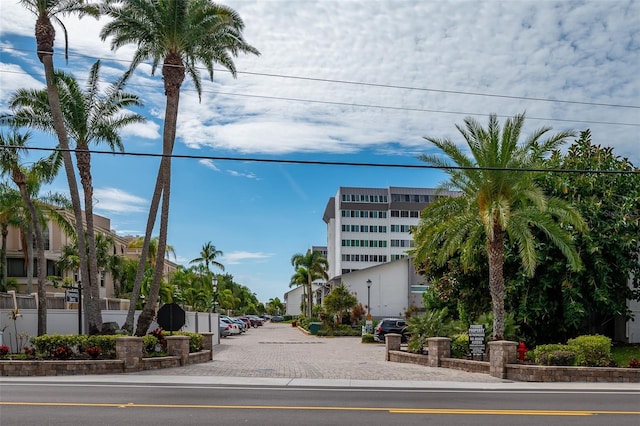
<point x="16" y="333"/>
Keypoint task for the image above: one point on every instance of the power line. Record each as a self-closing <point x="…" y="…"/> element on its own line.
<point x="386" y="86"/>
<point x="355" y="105"/>
<point x="328" y="163"/>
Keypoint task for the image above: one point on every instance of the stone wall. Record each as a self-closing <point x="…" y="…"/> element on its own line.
<point x="540" y="373"/>
<point x="503" y="365"/>
<point x="129" y="356"/>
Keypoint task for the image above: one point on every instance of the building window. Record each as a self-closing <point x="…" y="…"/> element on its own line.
<point x="414" y="213"/>
<point x="395" y="213"/>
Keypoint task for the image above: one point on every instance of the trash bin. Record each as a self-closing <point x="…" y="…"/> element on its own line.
<point x="314" y="327"/>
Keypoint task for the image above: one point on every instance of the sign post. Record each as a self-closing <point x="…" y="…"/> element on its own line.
<point x="477" y="340"/>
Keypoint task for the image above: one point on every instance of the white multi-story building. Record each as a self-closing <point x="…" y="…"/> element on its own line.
<point x="370" y="226"/>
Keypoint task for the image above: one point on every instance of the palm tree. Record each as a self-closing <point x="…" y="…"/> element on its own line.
<point x="10" y="205"/>
<point x="90" y="118"/>
<point x="301" y="278"/>
<point x="500" y="203"/>
<point x="152" y="251"/>
<point x="47" y="11"/>
<point x="28" y="181"/>
<point x="181" y="34"/>
<point x="316" y="267"/>
<point x="208" y="256"/>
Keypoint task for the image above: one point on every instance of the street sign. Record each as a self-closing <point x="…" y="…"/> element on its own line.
<point x="72" y="295"/>
<point x="476" y="339"/>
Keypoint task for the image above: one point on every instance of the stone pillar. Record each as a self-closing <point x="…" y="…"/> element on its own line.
<point x="501" y="353"/>
<point x="392" y="343"/>
<point x="207" y="343"/>
<point x="439" y="347"/>
<point x="129" y="349"/>
<point x="179" y="346"/>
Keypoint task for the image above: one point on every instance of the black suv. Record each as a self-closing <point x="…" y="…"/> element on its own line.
<point x="390" y="325"/>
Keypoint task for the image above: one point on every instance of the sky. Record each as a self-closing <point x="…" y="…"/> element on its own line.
<point x="357" y="81"/>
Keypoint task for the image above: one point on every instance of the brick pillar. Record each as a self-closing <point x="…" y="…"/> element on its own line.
<point x="129" y="349"/>
<point x="501" y="353"/>
<point x="392" y="343"/>
<point x="179" y="346"/>
<point x="207" y="343"/>
<point x="439" y="347"/>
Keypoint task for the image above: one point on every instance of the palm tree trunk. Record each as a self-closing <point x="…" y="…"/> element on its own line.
<point x="142" y="263"/>
<point x="173" y="74"/>
<point x="496" y="280"/>
<point x="45" y="53"/>
<point x="94" y="316"/>
<point x="27" y="237"/>
<point x="309" y="299"/>
<point x="3" y="257"/>
<point x="20" y="180"/>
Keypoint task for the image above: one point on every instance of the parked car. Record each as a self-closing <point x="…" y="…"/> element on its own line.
<point x="277" y="318"/>
<point x="256" y="320"/>
<point x="232" y="327"/>
<point x="222" y="329"/>
<point x="390" y="325"/>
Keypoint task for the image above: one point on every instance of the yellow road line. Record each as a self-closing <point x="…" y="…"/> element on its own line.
<point x="466" y="411"/>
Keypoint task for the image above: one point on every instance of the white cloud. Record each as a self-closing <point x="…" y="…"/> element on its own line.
<point x="117" y="201"/>
<point x="241" y="174"/>
<point x="147" y="130"/>
<point x="237" y="257"/>
<point x="209" y="164"/>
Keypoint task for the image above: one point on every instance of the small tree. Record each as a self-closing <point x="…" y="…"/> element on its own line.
<point x="340" y="302"/>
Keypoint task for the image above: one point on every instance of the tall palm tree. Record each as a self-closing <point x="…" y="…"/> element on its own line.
<point x="91" y="118"/>
<point x="28" y="181"/>
<point x="301" y="278"/>
<point x="208" y="256"/>
<point x="47" y="13"/>
<point x="181" y="34"/>
<point x="152" y="252"/>
<point x="316" y="266"/>
<point x="10" y="205"/>
<point x="500" y="203"/>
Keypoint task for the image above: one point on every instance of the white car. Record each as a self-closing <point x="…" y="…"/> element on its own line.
<point x="232" y="328"/>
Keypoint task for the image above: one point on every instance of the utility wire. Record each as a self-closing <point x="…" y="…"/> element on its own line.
<point x="328" y="163"/>
<point x="355" y="105"/>
<point x="386" y="86"/>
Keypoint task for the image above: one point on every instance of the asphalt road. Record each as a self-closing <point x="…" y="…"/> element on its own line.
<point x="97" y="403"/>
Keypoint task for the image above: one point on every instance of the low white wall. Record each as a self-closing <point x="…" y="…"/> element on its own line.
<point x="16" y="334"/>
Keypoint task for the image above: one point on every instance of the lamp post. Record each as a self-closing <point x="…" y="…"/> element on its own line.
<point x="214" y="283"/>
<point x="368" y="299"/>
<point x="369" y="323"/>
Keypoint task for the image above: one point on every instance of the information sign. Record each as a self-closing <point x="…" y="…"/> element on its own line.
<point x="72" y="295"/>
<point x="476" y="339"/>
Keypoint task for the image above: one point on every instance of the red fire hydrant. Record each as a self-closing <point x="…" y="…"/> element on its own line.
<point x="522" y="349"/>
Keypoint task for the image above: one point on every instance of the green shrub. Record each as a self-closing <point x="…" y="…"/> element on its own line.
<point x="559" y="358"/>
<point x="47" y="344"/>
<point x="460" y="345"/>
<point x="592" y="350"/>
<point x="149" y="343"/>
<point x="541" y="355"/>
<point x="367" y="338"/>
<point x="195" y="340"/>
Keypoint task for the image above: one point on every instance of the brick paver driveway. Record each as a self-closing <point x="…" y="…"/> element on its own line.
<point x="279" y="350"/>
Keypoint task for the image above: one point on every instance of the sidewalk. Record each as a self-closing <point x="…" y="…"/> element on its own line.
<point x="280" y="355"/>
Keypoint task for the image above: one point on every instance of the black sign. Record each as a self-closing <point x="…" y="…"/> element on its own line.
<point x="72" y="295"/>
<point x="476" y="339"/>
<point x="171" y="317"/>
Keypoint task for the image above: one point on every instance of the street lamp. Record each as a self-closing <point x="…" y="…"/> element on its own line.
<point x="369" y="299"/>
<point x="214" y="283"/>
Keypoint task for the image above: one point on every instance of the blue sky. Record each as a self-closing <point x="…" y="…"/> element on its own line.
<point x="420" y="60"/>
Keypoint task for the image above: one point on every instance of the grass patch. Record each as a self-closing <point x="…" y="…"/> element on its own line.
<point x="623" y="354"/>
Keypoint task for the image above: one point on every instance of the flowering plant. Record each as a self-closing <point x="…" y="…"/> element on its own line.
<point x="93" y="351"/>
<point x="634" y="363"/>
<point x="62" y="352"/>
<point x="4" y="349"/>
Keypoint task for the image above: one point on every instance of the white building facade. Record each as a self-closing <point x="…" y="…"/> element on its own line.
<point x="370" y="226"/>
